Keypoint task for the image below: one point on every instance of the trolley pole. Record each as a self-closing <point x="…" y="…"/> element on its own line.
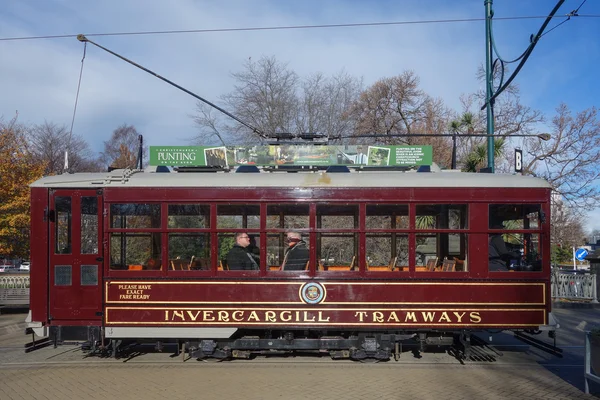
<point x="489" y="81"/>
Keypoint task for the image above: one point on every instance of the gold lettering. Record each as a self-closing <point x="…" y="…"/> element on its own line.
<point x="270" y="316"/>
<point x="235" y="316"/>
<point x="193" y="316"/>
<point x="321" y="319"/>
<point x="287" y="317"/>
<point x="166" y="315"/>
<point x="208" y="316"/>
<point x="361" y="315"/>
<point x="253" y="316"/>
<point x="377" y="316"/>
<point x="428" y="316"/>
<point x="178" y="314"/>
<point x="141" y="296"/>
<point x="125" y="297"/>
<point x="297" y="316"/>
<point x="410" y="316"/>
<point x="306" y="319"/>
<point x="393" y="316"/>
<point x="459" y="316"/>
<point x="445" y="317"/>
<point x="223" y="316"/>
<point x="475" y="317"/>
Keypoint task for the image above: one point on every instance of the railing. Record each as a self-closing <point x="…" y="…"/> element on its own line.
<point x="14" y="289"/>
<point x="574" y="286"/>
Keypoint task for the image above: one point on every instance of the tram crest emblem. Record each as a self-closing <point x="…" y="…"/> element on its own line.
<point x="312" y="293"/>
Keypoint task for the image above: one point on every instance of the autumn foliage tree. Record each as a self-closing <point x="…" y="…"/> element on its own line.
<point x="18" y="169"/>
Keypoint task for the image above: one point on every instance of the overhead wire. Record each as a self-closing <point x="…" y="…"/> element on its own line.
<point x="75" y="109"/>
<point x="292" y="27"/>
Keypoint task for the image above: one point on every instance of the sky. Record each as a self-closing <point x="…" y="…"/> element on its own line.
<point x="39" y="77"/>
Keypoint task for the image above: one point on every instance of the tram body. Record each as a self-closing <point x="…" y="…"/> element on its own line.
<point x="395" y="258"/>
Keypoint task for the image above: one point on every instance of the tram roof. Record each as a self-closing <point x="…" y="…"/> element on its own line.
<point x="355" y="178"/>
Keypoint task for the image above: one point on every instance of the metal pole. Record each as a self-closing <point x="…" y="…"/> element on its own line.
<point x="489" y="83"/>
<point x="454" y="150"/>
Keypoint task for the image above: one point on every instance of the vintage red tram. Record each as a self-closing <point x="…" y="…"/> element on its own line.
<point x="394" y="257"/>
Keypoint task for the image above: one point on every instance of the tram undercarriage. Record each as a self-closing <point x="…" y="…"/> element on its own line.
<point x="339" y="345"/>
<point x="359" y="346"/>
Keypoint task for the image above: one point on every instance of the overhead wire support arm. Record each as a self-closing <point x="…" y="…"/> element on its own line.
<point x="83" y="39"/>
<point x="523" y="57"/>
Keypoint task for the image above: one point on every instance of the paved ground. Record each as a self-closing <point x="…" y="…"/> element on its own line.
<point x="521" y="373"/>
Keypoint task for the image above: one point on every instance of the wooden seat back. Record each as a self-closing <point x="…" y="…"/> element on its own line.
<point x="431" y="264"/>
<point x="448" y="265"/>
<point x="392" y="265"/>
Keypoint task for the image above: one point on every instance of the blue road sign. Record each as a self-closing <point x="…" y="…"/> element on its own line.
<point x="580" y="254"/>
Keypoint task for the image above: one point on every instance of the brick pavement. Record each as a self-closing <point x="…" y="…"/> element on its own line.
<point x="280" y="380"/>
<point x="65" y="372"/>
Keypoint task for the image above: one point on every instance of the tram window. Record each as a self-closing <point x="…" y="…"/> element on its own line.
<point x="63" y="275"/>
<point x="62" y="225"/>
<point x="238" y="216"/>
<point x="386" y="252"/>
<point x="387" y="216"/>
<point x="441" y="216"/>
<point x="337" y="252"/>
<point x="337" y="216"/>
<point x="519" y="252"/>
<point x="232" y="260"/>
<point x="189" y="216"/>
<point x="89" y="225"/>
<point x="134" y="216"/>
<point x="433" y="249"/>
<point x="185" y="249"/>
<point x="135" y="251"/>
<point x="514" y="216"/>
<point x="89" y="275"/>
<point x="276" y="248"/>
<point x="288" y="216"/>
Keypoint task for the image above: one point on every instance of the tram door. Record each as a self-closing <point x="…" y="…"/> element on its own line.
<point x="76" y="257"/>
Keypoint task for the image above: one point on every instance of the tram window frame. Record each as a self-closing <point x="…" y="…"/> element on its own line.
<point x="225" y="211"/>
<point x="146" y="262"/>
<point x="180" y="214"/>
<point x="63" y="225"/>
<point x="346" y="216"/>
<point x="224" y="249"/>
<point x="446" y="258"/>
<point x="135" y="216"/>
<point x="395" y="259"/>
<point x="379" y="211"/>
<point x="90" y="223"/>
<point x="511" y="233"/>
<point x="423" y="210"/>
<point x="191" y="256"/>
<point x="285" y="212"/>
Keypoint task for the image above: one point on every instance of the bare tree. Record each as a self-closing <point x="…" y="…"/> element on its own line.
<point x="566" y="225"/>
<point x="324" y="103"/>
<point x="265" y="96"/>
<point x="274" y="99"/>
<point x="122" y="148"/>
<point x="48" y="143"/>
<point x="569" y="160"/>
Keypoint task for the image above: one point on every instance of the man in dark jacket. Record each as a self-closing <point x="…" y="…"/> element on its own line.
<point x="238" y="257"/>
<point x="297" y="255"/>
